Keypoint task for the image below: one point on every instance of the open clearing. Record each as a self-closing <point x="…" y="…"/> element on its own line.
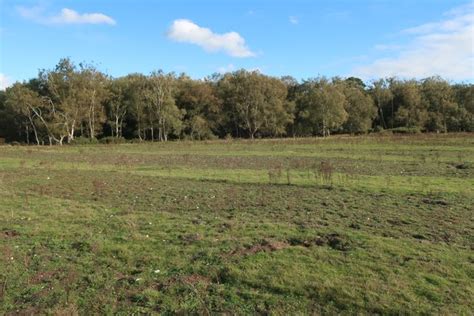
<point x="340" y="225"/>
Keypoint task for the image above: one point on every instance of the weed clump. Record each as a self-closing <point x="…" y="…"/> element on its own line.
<point x="326" y="171"/>
<point x="274" y="175"/>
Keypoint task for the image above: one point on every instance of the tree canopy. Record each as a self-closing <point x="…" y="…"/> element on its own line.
<point x="71" y="101"/>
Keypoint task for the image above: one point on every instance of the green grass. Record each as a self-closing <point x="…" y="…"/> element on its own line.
<point x="239" y="227"/>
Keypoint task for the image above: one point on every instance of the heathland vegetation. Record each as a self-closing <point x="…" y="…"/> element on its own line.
<point x="78" y="103"/>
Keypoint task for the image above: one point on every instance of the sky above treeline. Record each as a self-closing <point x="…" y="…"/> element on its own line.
<point x="302" y="38"/>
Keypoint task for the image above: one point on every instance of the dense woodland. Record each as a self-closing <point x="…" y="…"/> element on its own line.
<point x="78" y="103"/>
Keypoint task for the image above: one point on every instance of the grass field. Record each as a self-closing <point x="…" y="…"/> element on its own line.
<point x="381" y="225"/>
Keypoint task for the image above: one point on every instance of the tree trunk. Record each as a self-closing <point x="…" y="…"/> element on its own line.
<point x="165" y="131"/>
<point x="70" y="136"/>
<point x="36" y="135"/>
<point x="91" y="129"/>
<point x="120" y="129"/>
<point x="27" y="134"/>
<point x="34" y="130"/>
<point x="116" y="126"/>
<point x="160" y="129"/>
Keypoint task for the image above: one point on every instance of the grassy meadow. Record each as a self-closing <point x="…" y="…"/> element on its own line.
<point x="349" y="225"/>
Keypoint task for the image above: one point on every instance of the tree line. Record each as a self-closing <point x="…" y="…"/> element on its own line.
<point x="71" y="102"/>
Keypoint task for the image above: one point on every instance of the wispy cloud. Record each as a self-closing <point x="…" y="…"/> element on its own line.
<point x="186" y="31"/>
<point x="293" y="20"/>
<point x="5" y="82"/>
<point x="444" y="48"/>
<point x="65" y="16"/>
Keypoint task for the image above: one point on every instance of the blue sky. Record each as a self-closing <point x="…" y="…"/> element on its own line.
<point x="302" y="38"/>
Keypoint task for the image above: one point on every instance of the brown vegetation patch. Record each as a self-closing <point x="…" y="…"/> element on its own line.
<point x="434" y="201"/>
<point x="195" y="279"/>
<point x="11" y="233"/>
<point x="263" y="246"/>
<point x="32" y="310"/>
<point x="191" y="279"/>
<point x="333" y="240"/>
<point x="190" y="238"/>
<point x="43" y="276"/>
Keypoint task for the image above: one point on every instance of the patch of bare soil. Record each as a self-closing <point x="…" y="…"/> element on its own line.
<point x="10" y="233"/>
<point x="333" y="240"/>
<point x="263" y="246"/>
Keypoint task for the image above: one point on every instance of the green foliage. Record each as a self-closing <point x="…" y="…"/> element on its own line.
<point x="70" y="101"/>
<point x="360" y="109"/>
<point x="405" y="130"/>
<point x="412" y="111"/>
<point x="256" y="103"/>
<point x="320" y="106"/>
<point x="441" y="104"/>
<point x="199" y="128"/>
<point x="203" y="108"/>
<point x="161" y="109"/>
<point x="84" y="141"/>
<point x="112" y="140"/>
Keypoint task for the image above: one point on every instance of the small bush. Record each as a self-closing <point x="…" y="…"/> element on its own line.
<point x="378" y="129"/>
<point x="84" y="141"/>
<point x="406" y="130"/>
<point x="15" y="144"/>
<point x="113" y="140"/>
<point x="385" y="132"/>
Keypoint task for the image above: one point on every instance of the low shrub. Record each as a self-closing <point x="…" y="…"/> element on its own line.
<point x="113" y="140"/>
<point x="406" y="130"/>
<point x="84" y="141"/>
<point x="378" y="129"/>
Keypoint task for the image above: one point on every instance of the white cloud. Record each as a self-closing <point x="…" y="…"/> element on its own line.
<point x="4" y="82"/>
<point x="66" y="16"/>
<point x="444" y="48"/>
<point x="294" y="20"/>
<point x="186" y="31"/>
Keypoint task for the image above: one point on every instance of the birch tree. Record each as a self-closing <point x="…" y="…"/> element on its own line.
<point x="321" y="106"/>
<point x="164" y="114"/>
<point x="25" y="103"/>
<point x="116" y="105"/>
<point x="63" y="85"/>
<point x="258" y="102"/>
